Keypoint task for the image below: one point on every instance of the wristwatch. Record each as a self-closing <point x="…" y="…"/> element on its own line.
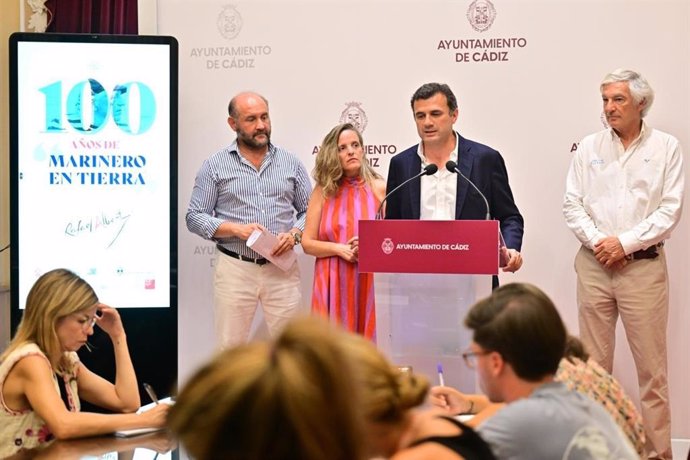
<point x="298" y="237"/>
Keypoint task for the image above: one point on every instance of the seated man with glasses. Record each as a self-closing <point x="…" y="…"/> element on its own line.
<point x="577" y="371"/>
<point x="518" y="342"/>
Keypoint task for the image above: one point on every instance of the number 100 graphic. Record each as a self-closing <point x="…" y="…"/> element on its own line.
<point x="133" y="107"/>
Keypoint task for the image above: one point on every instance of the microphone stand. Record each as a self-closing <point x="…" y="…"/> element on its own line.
<point x="452" y="167"/>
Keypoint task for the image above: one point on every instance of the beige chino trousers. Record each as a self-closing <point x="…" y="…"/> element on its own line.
<point x="638" y="293"/>
<point x="240" y="286"/>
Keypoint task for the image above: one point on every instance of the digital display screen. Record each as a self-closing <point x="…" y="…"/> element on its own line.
<point x="93" y="151"/>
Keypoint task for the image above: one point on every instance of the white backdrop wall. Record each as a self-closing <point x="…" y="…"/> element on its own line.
<point x="314" y="59"/>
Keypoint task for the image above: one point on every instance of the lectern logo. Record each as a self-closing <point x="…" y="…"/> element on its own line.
<point x="387" y="246"/>
<point x="481" y="15"/>
<point x="355" y="114"/>
<point x="229" y="22"/>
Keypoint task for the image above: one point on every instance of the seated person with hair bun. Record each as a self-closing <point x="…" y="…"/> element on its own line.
<point x="283" y="400"/>
<point x="395" y="425"/>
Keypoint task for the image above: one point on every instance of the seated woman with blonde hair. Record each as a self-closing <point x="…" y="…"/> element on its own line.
<point x="42" y="379"/>
<point x="396" y="426"/>
<point x="347" y="190"/>
<point x="292" y="399"/>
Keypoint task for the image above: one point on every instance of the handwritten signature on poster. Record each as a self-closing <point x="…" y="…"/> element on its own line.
<point x="114" y="221"/>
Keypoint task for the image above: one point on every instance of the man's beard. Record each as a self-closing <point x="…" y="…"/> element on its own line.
<point x="252" y="142"/>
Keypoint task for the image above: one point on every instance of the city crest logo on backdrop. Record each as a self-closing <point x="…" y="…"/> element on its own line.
<point x="229" y="22"/>
<point x="481" y="15"/>
<point x="223" y="56"/>
<point x="355" y="115"/>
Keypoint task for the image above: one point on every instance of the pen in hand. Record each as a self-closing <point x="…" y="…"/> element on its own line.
<point x="441" y="382"/>
<point x="151" y="393"/>
<point x="439" y="368"/>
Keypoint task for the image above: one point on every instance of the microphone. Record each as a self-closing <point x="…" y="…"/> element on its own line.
<point x="452" y="167"/>
<point x="429" y="170"/>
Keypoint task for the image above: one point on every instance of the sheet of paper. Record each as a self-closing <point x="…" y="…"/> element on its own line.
<point x="264" y="242"/>
<point x="138" y="431"/>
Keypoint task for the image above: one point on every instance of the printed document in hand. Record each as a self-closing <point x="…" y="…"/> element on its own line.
<point x="264" y="242"/>
<point x="138" y="431"/>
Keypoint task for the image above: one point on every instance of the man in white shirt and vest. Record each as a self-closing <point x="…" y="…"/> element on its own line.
<point x="624" y="195"/>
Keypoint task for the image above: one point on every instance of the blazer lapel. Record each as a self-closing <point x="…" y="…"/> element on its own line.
<point x="465" y="166"/>
<point x="415" y="186"/>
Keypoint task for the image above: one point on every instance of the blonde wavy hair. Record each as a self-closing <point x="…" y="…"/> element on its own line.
<point x="327" y="168"/>
<point x="291" y="399"/>
<point x="55" y="295"/>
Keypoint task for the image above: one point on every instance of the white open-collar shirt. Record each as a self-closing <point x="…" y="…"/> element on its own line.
<point x="438" y="193"/>
<point x="635" y="194"/>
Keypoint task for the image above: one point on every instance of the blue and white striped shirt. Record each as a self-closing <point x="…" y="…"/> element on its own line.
<point x="229" y="188"/>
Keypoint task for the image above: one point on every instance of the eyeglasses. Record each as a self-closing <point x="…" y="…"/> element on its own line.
<point x="88" y="322"/>
<point x="470" y="357"/>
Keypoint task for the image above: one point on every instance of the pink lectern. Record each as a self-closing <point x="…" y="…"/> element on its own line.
<point x="426" y="280"/>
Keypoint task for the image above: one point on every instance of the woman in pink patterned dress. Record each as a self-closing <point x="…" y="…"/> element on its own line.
<point x="347" y="190"/>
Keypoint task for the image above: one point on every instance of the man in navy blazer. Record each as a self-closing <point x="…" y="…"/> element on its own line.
<point x="446" y="195"/>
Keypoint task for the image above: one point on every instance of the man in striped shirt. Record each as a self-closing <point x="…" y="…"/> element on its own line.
<point x="251" y="184"/>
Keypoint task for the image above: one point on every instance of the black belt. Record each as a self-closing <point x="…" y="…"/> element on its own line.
<point x="234" y="255"/>
<point x="651" y="252"/>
